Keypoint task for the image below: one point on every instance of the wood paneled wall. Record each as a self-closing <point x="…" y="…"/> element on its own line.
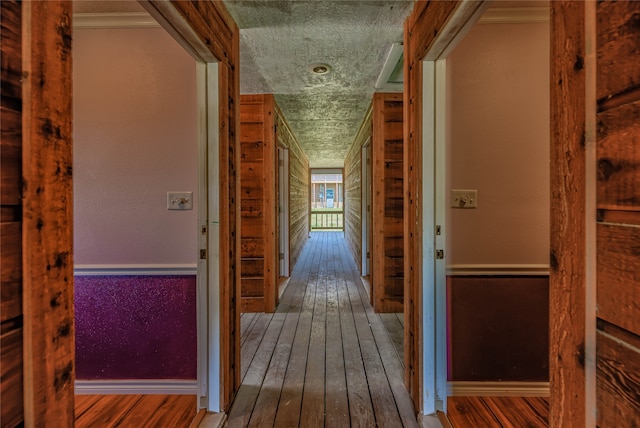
<point x="420" y="31"/>
<point x="263" y="127"/>
<point x="387" y="256"/>
<point x="353" y="190"/>
<point x="618" y="215"/>
<point x="299" y="202"/>
<point x="11" y="366"/>
<point x="603" y="112"/>
<point x="258" y="203"/>
<point x="299" y="184"/>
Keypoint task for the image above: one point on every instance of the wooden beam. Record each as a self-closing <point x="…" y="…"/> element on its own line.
<point x="49" y="347"/>
<point x="567" y="294"/>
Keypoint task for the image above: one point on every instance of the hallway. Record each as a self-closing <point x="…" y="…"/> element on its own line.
<point x="324" y="358"/>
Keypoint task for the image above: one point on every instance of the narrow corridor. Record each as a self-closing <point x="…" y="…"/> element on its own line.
<point x="324" y="358"/>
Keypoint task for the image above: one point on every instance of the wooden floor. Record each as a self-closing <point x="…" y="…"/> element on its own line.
<point x="507" y="412"/>
<point x="135" y="411"/>
<point x="324" y="358"/>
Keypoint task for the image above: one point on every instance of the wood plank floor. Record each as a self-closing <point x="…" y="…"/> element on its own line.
<point x="324" y="358"/>
<point x="506" y="412"/>
<point x="135" y="411"/>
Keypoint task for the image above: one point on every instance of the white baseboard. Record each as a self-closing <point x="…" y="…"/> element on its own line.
<point x="499" y="389"/>
<point x="134" y="270"/>
<point x="138" y="387"/>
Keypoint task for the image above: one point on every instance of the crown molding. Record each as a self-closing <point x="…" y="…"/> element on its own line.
<point x="114" y="20"/>
<point x="515" y="15"/>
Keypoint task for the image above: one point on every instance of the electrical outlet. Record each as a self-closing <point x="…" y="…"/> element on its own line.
<point x="179" y="200"/>
<point x="464" y="199"/>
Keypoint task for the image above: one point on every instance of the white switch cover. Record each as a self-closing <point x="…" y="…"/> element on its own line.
<point x="464" y="198"/>
<point x="179" y="200"/>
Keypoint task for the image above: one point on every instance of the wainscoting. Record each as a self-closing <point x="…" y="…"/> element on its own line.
<point x="135" y="323"/>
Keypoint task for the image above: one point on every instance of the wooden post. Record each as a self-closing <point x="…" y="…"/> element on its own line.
<point x="49" y="348"/>
<point x="567" y="293"/>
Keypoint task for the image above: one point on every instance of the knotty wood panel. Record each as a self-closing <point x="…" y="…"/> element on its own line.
<point x="618" y="153"/>
<point x="11" y="372"/>
<point x="567" y="258"/>
<point x="299" y="183"/>
<point x="618" y="381"/>
<point x="207" y="30"/>
<point x="11" y="274"/>
<point x="618" y="39"/>
<point x="619" y="275"/>
<point x="420" y="31"/>
<point x="618" y="202"/>
<point x="353" y="190"/>
<point x="388" y="203"/>
<point x="258" y="147"/>
<point x="11" y="281"/>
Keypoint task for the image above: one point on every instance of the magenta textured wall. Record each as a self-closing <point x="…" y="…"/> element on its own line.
<point x="135" y="327"/>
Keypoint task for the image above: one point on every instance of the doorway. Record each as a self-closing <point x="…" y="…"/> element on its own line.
<point x="486" y="202"/>
<point x="207" y="225"/>
<point x="283" y="210"/>
<point x="366" y="208"/>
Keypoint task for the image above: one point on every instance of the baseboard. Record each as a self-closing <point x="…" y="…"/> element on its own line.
<point x="498" y="270"/>
<point x="135" y="270"/>
<point x="499" y="389"/>
<point x="141" y="387"/>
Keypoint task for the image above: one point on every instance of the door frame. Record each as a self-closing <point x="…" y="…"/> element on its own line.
<point x="365" y="166"/>
<point x="283" y="210"/>
<point x="433" y="354"/>
<point x="218" y="322"/>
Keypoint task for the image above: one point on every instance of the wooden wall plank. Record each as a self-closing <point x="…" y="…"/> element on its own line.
<point x="619" y="275"/>
<point x="420" y="31"/>
<point x="618" y="382"/>
<point x="48" y="215"/>
<point x="11" y="374"/>
<point x="11" y="280"/>
<point x="257" y="144"/>
<point x="618" y="39"/>
<point x="618" y="153"/>
<point x="11" y="273"/>
<point x="618" y="201"/>
<point x="388" y="202"/>
<point x="568" y="257"/>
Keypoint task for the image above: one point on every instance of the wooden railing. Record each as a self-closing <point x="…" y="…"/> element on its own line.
<point x="324" y="220"/>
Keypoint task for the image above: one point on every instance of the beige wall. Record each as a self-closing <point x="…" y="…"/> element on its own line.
<point x="498" y="110"/>
<point x="135" y="138"/>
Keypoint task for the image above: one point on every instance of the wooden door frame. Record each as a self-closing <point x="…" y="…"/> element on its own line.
<point x="425" y="282"/>
<point x="365" y="206"/>
<point x="214" y="43"/>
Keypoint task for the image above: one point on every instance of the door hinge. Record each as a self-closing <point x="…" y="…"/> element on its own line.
<point x="203" y="254"/>
<point x="281" y="255"/>
<point x="368" y="254"/>
<point x="439" y="254"/>
<point x="203" y="230"/>
<point x="438" y="230"/>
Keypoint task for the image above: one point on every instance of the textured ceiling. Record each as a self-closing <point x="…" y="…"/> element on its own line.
<point x="281" y="39"/>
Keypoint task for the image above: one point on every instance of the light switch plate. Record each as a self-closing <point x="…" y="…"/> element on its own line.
<point x="179" y="200"/>
<point x="464" y="198"/>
